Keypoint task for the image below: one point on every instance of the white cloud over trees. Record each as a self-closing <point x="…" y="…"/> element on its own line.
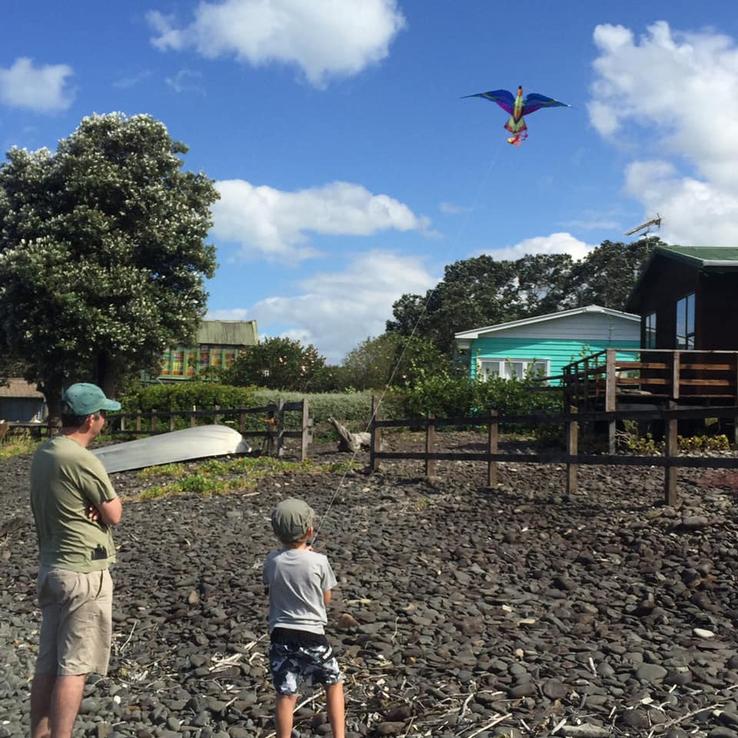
<point x="276" y="224"/>
<point x="42" y="88"/>
<point x="555" y="243"/>
<point x="336" y="310"/>
<point x="324" y="38"/>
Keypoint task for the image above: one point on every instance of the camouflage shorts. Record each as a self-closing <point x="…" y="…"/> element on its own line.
<point x="293" y="664"/>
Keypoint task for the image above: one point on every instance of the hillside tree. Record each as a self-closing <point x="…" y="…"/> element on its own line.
<point x="102" y="253"/>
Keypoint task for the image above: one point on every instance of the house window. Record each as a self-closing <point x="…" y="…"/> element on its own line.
<point x="649" y="331"/>
<point x="685" y="322"/>
<point x="512" y="368"/>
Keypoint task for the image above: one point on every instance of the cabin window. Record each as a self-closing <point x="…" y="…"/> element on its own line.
<point x="649" y="331"/>
<point x="512" y="368"/>
<point x="685" y="322"/>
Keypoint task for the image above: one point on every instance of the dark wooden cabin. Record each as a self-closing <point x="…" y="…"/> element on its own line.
<point x="687" y="297"/>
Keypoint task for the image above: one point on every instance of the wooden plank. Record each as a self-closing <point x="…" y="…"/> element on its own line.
<point x="707" y="367"/>
<point x="376" y="437"/>
<point x="671" y="450"/>
<point x="572" y="447"/>
<point x="644" y="380"/>
<point x="304" y="430"/>
<point x="430" y="437"/>
<point x="641" y="365"/>
<point x="675" y="375"/>
<point x="493" y="432"/>
<point x="687" y="462"/>
<point x="611" y="381"/>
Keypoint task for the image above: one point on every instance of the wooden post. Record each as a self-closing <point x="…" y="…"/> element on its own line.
<point x="216" y="417"/>
<point x="430" y="437"/>
<point x="193" y="417"/>
<point x="376" y="437"/>
<point x="671" y="449"/>
<point x="611" y="396"/>
<point x="305" y="430"/>
<point x="572" y="448"/>
<point x="154" y="421"/>
<point x="675" y="359"/>
<point x="280" y="428"/>
<point x="138" y="421"/>
<point x="171" y="419"/>
<point x="493" y="433"/>
<point x="241" y="422"/>
<point x="122" y="423"/>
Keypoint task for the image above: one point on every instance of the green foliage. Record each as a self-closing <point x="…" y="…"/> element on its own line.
<point x="279" y="363"/>
<point x="17" y="446"/>
<point x="647" y="445"/>
<point x="391" y="358"/>
<point x="443" y="395"/>
<point x="184" y="395"/>
<point x="217" y="476"/>
<point x="102" y="252"/>
<point x="482" y="291"/>
<point x="353" y="409"/>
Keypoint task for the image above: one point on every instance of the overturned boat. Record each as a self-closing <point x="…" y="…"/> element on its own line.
<point x="168" y="448"/>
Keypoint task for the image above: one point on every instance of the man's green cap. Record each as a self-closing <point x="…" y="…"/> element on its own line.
<point x="85" y="399"/>
<point x="291" y="518"/>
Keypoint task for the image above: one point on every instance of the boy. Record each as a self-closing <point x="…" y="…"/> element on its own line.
<point x="299" y="582"/>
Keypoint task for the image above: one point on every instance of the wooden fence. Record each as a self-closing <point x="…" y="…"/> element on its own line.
<point x="671" y="460"/>
<point x="271" y="416"/>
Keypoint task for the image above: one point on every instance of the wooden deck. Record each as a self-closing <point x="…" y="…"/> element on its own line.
<point x="618" y="378"/>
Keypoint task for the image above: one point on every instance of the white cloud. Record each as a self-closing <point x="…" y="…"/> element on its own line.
<point x="556" y="243"/>
<point x="43" y="88"/>
<point x="324" y="38"/>
<point x="676" y="94"/>
<point x="126" y="83"/>
<point x="337" y="310"/>
<point x="186" y="80"/>
<point x="450" y="208"/>
<point x="275" y="223"/>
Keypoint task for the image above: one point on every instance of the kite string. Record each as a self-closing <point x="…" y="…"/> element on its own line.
<point x="398" y="362"/>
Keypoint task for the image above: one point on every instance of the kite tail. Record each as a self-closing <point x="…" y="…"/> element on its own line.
<point x="518" y="138"/>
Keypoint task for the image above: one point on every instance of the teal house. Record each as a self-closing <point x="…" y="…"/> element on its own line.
<point x="546" y="343"/>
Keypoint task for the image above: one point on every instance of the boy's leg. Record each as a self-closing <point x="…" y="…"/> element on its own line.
<point x="283" y="714"/>
<point x="336" y="711"/>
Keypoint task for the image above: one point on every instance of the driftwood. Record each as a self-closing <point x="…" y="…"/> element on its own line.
<point x="351" y="442"/>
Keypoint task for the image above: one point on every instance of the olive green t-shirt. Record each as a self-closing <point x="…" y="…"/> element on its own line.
<point x="65" y="478"/>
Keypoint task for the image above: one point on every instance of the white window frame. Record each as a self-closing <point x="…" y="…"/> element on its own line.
<point x="505" y="367"/>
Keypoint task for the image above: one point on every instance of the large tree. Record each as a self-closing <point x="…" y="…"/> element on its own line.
<point x="482" y="291"/>
<point x="279" y="363"/>
<point x="102" y="252"/>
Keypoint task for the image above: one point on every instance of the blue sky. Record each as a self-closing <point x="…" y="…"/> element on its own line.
<point x="349" y="167"/>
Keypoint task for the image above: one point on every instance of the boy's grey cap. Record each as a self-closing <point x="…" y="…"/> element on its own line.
<point x="85" y="399"/>
<point x="291" y="518"/>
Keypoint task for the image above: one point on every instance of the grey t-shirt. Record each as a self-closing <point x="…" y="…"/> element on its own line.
<point x="297" y="579"/>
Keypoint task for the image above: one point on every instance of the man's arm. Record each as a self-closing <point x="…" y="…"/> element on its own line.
<point x="111" y="511"/>
<point x="327" y="597"/>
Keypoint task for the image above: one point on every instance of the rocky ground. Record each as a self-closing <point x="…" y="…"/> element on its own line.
<point x="462" y="611"/>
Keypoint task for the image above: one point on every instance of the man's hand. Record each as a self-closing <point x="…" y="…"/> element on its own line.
<point x="92" y="513"/>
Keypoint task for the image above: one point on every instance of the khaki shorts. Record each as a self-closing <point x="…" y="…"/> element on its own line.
<point x="77" y="622"/>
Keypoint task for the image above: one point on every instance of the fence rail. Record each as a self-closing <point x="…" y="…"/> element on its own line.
<point x="156" y="421"/>
<point x="670" y="461"/>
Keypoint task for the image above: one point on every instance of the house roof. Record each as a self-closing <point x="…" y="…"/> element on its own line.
<point x="701" y="256"/>
<point x="228" y="332"/>
<point x="19" y="388"/>
<point x="474" y="333"/>
<point x="719" y="258"/>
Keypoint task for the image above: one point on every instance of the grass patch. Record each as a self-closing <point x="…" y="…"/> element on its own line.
<point x="222" y="476"/>
<point x="17" y="447"/>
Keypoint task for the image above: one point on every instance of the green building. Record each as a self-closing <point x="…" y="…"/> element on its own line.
<point x="218" y="343"/>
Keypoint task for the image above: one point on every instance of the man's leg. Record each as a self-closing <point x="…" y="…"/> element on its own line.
<point x="41" y="689"/>
<point x="65" y="701"/>
<point x="285" y="707"/>
<point x="336" y="710"/>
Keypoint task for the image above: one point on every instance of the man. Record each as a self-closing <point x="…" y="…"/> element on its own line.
<point x="74" y="505"/>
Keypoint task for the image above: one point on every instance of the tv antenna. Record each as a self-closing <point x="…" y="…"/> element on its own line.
<point x="645" y="227"/>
